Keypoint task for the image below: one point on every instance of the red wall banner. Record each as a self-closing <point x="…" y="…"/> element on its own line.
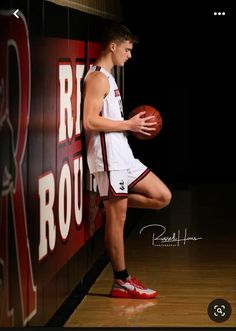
<point x="47" y="198"/>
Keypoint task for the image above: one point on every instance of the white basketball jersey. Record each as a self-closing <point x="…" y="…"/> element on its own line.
<point x="108" y="150"/>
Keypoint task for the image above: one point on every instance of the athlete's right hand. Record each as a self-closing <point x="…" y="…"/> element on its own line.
<point x="142" y="124"/>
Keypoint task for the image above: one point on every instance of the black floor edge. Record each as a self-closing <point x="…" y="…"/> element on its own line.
<point x="63" y="313"/>
<point x="77" y="295"/>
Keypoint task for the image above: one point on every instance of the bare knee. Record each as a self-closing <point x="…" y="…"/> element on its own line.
<point x="163" y="199"/>
<point x="121" y="216"/>
<point x="116" y="211"/>
<point x="166" y="197"/>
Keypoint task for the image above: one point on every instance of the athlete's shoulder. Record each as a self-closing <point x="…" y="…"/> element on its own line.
<point x="96" y="82"/>
<point x="96" y="77"/>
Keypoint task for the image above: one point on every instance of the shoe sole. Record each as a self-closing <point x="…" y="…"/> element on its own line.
<point x="132" y="295"/>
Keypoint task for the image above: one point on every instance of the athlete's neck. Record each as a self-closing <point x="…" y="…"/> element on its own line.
<point x="105" y="61"/>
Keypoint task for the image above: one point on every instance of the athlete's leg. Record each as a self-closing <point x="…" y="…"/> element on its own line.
<point x="114" y="231"/>
<point x="127" y="287"/>
<point x="149" y="192"/>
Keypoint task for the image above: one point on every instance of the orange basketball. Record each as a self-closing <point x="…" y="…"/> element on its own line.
<point x="149" y="110"/>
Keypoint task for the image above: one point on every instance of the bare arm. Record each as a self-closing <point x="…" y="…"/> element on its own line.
<point x="95" y="89"/>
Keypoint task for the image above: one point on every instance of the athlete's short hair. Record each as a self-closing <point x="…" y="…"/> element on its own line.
<point x="118" y="33"/>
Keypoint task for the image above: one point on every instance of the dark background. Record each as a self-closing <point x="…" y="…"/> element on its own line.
<point x="184" y="65"/>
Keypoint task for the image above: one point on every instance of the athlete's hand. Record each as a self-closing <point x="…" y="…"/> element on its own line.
<point x="142" y="124"/>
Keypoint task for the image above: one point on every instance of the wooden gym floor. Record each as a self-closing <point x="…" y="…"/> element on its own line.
<point x="188" y="273"/>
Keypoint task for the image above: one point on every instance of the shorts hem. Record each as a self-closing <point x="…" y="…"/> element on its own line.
<point x="115" y="194"/>
<point x="105" y="197"/>
<point x="118" y="195"/>
<point x="140" y="177"/>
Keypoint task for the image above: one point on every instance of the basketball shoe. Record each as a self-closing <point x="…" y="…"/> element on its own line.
<point x="131" y="288"/>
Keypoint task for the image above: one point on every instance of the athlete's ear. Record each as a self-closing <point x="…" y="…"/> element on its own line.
<point x="112" y="47"/>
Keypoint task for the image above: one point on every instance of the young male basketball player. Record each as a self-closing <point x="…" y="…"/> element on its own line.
<point x="123" y="181"/>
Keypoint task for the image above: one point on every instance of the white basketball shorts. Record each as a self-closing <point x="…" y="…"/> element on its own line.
<point x="118" y="183"/>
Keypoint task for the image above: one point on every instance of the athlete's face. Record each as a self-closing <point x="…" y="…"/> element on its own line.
<point x="121" y="52"/>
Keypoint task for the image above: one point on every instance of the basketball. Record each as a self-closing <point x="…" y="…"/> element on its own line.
<point x="149" y="111"/>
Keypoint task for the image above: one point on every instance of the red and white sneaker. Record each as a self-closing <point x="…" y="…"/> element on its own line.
<point x="131" y="288"/>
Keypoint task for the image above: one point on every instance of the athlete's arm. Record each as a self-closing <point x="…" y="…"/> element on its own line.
<point x="96" y="88"/>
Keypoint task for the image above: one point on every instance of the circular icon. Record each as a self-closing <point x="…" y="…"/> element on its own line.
<point x="219" y="310"/>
